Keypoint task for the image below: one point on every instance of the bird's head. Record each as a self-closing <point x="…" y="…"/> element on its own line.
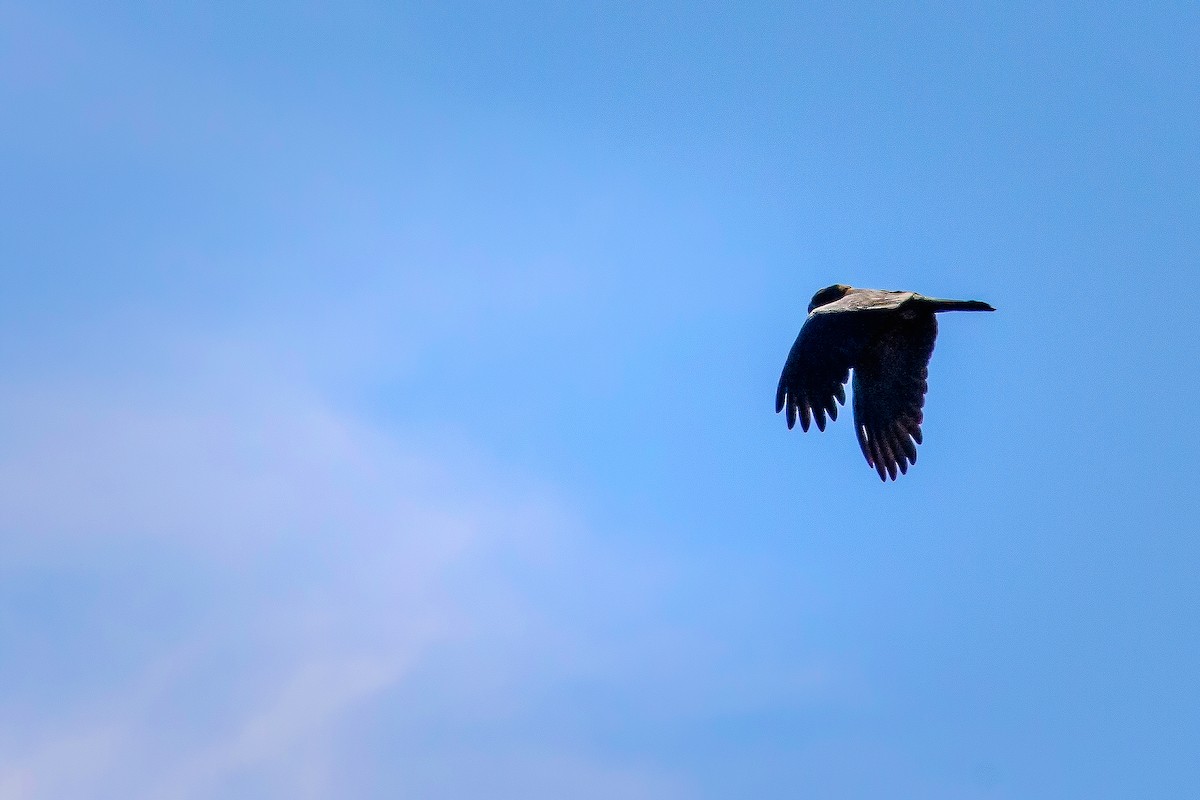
<point x="828" y="295"/>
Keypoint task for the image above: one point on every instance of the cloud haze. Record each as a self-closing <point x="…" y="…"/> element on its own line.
<point x="320" y="563"/>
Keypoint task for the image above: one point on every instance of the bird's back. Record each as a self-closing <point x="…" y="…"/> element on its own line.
<point x="857" y="300"/>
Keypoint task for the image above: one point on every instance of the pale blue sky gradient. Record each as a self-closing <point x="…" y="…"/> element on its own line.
<point x="386" y="401"/>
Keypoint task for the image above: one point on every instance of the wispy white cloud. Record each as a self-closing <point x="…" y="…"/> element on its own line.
<point x="334" y="560"/>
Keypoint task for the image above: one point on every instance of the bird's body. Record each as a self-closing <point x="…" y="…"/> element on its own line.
<point x="887" y="339"/>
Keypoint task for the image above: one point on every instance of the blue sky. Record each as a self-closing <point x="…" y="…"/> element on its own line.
<point x="387" y="390"/>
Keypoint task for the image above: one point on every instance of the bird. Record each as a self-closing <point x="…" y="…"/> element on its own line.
<point x="887" y="338"/>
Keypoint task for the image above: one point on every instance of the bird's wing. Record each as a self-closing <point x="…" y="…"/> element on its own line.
<point x="818" y="366"/>
<point x="889" y="392"/>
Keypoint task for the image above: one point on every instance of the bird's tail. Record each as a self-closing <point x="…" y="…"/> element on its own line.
<point x="959" y="305"/>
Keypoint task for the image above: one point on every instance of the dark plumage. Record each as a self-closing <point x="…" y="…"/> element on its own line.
<point x="887" y="339"/>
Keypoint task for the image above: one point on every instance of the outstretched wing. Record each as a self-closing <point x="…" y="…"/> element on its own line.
<point x="818" y="366"/>
<point x="889" y="391"/>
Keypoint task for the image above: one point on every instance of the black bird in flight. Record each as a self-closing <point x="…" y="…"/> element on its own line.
<point x="887" y="339"/>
